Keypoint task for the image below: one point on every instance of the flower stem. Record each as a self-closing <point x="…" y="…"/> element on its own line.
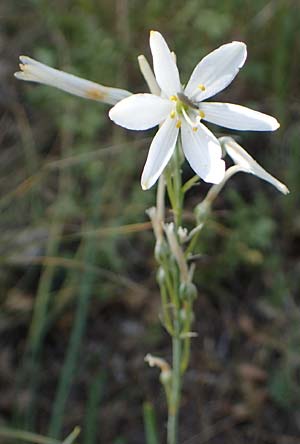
<point x="177" y="341"/>
<point x="175" y="391"/>
<point x="177" y="290"/>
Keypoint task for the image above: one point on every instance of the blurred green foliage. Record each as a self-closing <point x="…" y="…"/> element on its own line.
<point x="67" y="174"/>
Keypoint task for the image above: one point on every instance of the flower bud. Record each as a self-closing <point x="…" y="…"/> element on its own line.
<point x="182" y="234"/>
<point x="165" y="377"/>
<point x="187" y="291"/>
<point x="185" y="315"/>
<point x="161" y="276"/>
<point x="160" y="251"/>
<point x="202" y="210"/>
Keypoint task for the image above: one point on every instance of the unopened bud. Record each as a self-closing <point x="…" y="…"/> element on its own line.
<point x="161" y="276"/>
<point x="177" y="251"/>
<point x="202" y="210"/>
<point x="165" y="377"/>
<point x="185" y="315"/>
<point x="187" y="291"/>
<point x="182" y="234"/>
<point x="160" y="251"/>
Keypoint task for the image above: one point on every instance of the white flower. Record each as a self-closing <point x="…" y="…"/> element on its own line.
<point x="34" y="71"/>
<point x="247" y="164"/>
<point x="183" y="109"/>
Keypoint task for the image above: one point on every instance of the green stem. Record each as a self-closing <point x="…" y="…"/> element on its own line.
<point x="186" y="339"/>
<point x="176" y="195"/>
<point x="150" y="424"/>
<point x="170" y="285"/>
<point x="192" y="244"/>
<point x="185" y="355"/>
<point x="172" y="290"/>
<point x="71" y="360"/>
<point x="165" y="309"/>
<point x="170" y="190"/>
<point x="175" y="392"/>
<point x="25" y="436"/>
<point x="34" y="438"/>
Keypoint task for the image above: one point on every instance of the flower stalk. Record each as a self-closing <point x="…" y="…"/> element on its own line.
<point x="177" y="290"/>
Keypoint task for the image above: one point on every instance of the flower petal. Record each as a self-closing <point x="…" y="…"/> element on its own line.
<point x="34" y="71"/>
<point x="216" y="71"/>
<point x="248" y="164"/>
<point x="165" y="68"/>
<point x="160" y="152"/>
<point x="203" y="152"/>
<point x="237" y="117"/>
<point x="140" y="111"/>
<point x="149" y="76"/>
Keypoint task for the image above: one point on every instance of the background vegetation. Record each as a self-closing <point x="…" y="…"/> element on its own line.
<point x="79" y="305"/>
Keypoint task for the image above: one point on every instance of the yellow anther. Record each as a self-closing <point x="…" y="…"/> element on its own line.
<point x="178" y="124"/>
<point x="201" y="87"/>
<point x="172" y="115"/>
<point x="202" y="114"/>
<point x="195" y="129"/>
<point x="174" y="98"/>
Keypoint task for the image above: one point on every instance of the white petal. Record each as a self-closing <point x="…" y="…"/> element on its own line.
<point x="160" y="152"/>
<point x="248" y="164"/>
<point x="148" y="74"/>
<point x="141" y="111"/>
<point x="34" y="71"/>
<point x="216" y="71"/>
<point x="203" y="153"/>
<point x="165" y="68"/>
<point x="237" y="117"/>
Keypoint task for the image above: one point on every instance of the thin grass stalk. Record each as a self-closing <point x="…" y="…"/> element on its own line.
<point x="91" y="426"/>
<point x="84" y="295"/>
<point x="30" y="367"/>
<point x="34" y="438"/>
<point x="150" y="424"/>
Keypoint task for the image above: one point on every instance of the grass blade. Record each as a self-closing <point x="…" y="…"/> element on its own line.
<point x="150" y="424"/>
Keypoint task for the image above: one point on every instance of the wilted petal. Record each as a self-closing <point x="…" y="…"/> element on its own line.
<point x="140" y="111"/>
<point x="216" y="71"/>
<point x="248" y="164"/>
<point x="203" y="152"/>
<point x="160" y="152"/>
<point x="237" y="117"/>
<point x="164" y="66"/>
<point x="34" y="71"/>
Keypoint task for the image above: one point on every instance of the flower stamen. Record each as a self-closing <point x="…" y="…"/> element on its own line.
<point x="201" y="87"/>
<point x="178" y="124"/>
<point x="189" y="120"/>
<point x="172" y="114"/>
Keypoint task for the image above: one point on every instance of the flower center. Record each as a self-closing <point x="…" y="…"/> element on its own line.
<point x="186" y="101"/>
<point x="185" y="108"/>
